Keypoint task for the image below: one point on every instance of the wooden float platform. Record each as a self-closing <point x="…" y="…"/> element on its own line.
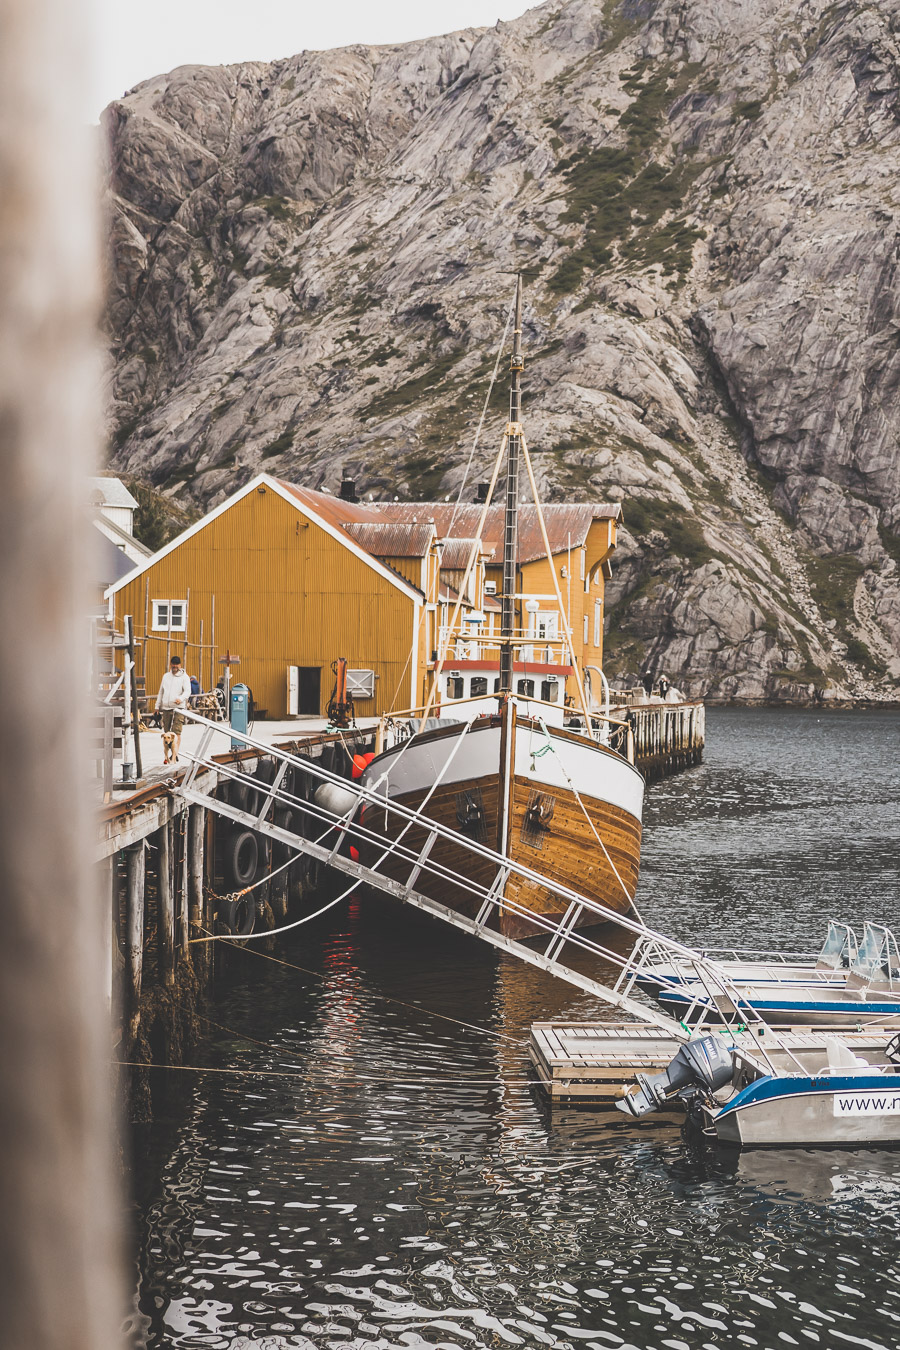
<point x="597" y="1061"/>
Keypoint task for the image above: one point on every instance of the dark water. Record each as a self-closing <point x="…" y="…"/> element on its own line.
<point x="362" y="1172"/>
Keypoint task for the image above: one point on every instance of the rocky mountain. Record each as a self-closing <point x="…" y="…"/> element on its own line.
<point x="309" y="273"/>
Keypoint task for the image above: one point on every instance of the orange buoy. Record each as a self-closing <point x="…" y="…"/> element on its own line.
<point x="359" y="765"/>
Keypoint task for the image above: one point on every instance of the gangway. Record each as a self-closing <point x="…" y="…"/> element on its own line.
<point x="324" y="831"/>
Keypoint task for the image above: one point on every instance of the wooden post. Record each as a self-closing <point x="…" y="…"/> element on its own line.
<point x="181" y="892"/>
<point x="135" y="710"/>
<point x="196" y="833"/>
<point x="59" y="1208"/>
<point x="134" y="942"/>
<point x="165" y="928"/>
<point x="106" y="889"/>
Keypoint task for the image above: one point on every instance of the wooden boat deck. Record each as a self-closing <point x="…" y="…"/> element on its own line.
<point x="597" y="1061"/>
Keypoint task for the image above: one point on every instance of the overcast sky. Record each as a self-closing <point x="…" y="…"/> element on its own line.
<point x="135" y="40"/>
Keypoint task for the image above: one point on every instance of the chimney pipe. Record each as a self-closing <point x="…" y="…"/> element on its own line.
<point x="481" y="492"/>
<point x="348" y="490"/>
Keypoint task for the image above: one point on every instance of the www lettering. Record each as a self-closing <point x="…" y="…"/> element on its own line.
<point x="868" y="1105"/>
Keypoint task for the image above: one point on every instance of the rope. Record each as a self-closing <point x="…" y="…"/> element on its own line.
<point x="462" y="486"/>
<point x="308" y="918"/>
<point x="388" y="998"/>
<point x="436" y="1079"/>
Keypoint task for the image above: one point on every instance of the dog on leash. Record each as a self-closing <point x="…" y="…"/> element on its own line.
<point x="168" y="741"/>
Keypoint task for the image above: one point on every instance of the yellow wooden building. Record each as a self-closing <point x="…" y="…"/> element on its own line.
<point x="289" y="580"/>
<point x="274" y="577"/>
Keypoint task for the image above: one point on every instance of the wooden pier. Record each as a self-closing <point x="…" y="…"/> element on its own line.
<point x="168" y="875"/>
<point x="668" y="737"/>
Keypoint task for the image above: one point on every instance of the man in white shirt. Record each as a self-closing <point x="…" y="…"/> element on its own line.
<point x="172" y="699"/>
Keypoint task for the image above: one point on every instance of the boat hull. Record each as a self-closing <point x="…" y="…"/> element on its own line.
<point x="809" y="1007"/>
<point x="854" y="1109"/>
<point x="560" y="800"/>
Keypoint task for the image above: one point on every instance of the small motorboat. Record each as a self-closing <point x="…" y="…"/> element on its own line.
<point x="866" y="993"/>
<point x="655" y="971"/>
<point x="741" y="1099"/>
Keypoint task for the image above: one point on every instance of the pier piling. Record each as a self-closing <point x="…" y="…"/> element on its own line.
<point x="166" y="905"/>
<point x="134" y="945"/>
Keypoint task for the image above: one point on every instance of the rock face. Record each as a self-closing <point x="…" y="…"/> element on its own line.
<point x="308" y="274"/>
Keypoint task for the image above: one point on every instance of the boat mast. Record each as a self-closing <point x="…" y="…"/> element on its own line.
<point x="511" y="524"/>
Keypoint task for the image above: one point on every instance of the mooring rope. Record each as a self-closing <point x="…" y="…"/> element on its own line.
<point x="387" y="998"/>
<point x="437" y="1080"/>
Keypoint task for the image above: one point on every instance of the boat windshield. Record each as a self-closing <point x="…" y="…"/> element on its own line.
<point x="877" y="959"/>
<point x="839" y="949"/>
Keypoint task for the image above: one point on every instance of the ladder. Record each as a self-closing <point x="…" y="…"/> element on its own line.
<point x="325" y="831"/>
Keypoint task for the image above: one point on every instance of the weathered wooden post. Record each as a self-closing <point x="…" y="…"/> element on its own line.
<point x="134" y="944"/>
<point x="182" y="924"/>
<point x="165" y="893"/>
<point x="196" y="834"/>
<point x="59" y="1211"/>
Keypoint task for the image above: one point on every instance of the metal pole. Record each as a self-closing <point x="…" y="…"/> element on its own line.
<point x="510" y="525"/>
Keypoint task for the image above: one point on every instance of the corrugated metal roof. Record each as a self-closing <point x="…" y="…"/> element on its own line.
<point x="392" y="539"/>
<point x="565" y="524"/>
<point x="455" y="553"/>
<point x="109" y="492"/>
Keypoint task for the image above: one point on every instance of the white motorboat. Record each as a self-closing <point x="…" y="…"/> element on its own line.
<point x="656" y="971"/>
<point x="740" y="1100"/>
<point x="868" y="993"/>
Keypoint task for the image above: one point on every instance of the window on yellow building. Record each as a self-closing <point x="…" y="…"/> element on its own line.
<point x="598" y="625"/>
<point x="169" y="616"/>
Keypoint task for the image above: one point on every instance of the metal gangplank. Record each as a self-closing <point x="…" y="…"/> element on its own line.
<point x="325" y="831"/>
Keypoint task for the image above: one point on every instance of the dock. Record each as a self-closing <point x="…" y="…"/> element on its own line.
<point x="595" y="1062"/>
<point x="667" y="737"/>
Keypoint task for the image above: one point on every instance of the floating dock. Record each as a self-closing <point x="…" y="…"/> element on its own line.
<point x="597" y="1061"/>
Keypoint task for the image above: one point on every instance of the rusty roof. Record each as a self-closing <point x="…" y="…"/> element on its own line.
<point x="392" y="539"/>
<point x="566" y="524"/>
<point x="455" y="553"/>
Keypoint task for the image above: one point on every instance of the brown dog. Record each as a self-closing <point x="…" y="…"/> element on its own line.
<point x="168" y="741"/>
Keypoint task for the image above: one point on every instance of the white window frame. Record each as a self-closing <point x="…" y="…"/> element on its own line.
<point x="548" y="621"/>
<point x="586" y="634"/>
<point x="598" y="621"/>
<point x="162" y="621"/>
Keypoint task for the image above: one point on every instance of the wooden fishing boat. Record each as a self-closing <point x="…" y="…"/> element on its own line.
<point x="564" y="800"/>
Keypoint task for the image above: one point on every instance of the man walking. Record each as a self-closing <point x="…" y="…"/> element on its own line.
<point x="172" y="699"/>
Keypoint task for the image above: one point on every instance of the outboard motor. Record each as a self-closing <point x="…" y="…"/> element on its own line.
<point x="704" y="1065"/>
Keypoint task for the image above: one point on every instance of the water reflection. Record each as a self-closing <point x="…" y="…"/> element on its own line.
<point x="402" y="1183"/>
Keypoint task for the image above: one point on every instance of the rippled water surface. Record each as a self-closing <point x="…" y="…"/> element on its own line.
<point x="365" y="1163"/>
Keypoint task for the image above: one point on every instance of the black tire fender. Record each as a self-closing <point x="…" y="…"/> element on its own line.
<point x="238" y="912"/>
<point x="241" y="857"/>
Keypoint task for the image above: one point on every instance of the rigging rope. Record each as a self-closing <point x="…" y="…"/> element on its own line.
<point x="584" y="809"/>
<point x="462" y="486"/>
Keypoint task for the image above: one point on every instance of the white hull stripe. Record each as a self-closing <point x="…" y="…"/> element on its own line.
<point x="597" y="775"/>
